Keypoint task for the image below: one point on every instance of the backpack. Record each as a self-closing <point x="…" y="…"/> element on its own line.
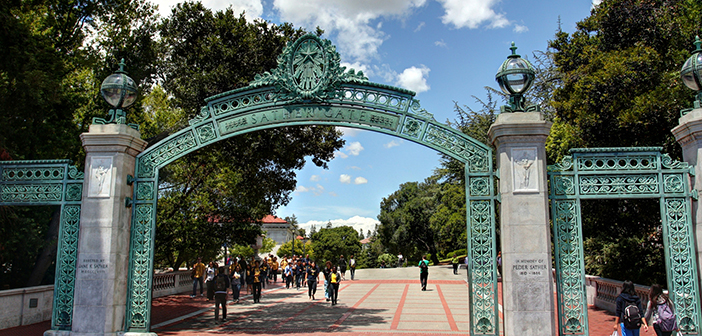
<point x="631" y="316"/>
<point x="423" y="266"/>
<point x="220" y="283"/>
<point x="666" y="317"/>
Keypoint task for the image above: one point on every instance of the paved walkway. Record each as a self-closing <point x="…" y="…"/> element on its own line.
<point x="379" y="302"/>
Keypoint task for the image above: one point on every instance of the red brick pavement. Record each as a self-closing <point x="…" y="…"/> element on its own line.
<point x="166" y="308"/>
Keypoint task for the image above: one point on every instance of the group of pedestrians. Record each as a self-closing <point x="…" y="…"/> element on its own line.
<point x="630" y="316"/>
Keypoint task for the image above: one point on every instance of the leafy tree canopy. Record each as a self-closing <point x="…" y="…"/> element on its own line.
<point x="331" y="243"/>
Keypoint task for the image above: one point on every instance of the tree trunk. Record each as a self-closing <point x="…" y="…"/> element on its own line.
<point x="48" y="253"/>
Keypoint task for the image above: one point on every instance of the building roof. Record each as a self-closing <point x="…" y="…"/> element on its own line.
<point x="270" y="219"/>
<point x="366" y="241"/>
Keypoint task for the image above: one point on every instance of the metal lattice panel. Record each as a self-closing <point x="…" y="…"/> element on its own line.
<point x="601" y="173"/>
<point x="51" y="182"/>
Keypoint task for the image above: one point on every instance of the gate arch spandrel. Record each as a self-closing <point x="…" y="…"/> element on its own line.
<point x="309" y="87"/>
<point x="617" y="173"/>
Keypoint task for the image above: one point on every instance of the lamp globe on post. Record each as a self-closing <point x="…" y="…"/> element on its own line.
<point x="691" y="73"/>
<point x="120" y="91"/>
<point x="515" y="76"/>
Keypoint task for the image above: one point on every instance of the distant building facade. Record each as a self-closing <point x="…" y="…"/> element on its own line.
<point x="277" y="229"/>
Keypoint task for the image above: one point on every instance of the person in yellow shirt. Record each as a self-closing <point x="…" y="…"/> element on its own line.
<point x="198" y="275"/>
<point x="257" y="282"/>
<point x="274" y="269"/>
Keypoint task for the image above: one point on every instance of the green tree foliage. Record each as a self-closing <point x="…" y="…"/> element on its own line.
<point x="621" y="87"/>
<point x="299" y="248"/>
<point x="405" y="217"/>
<point x="331" y="243"/>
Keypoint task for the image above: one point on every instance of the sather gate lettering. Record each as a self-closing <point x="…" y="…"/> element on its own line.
<point x="309" y="87"/>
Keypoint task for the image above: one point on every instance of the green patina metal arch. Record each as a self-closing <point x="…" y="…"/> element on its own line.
<point x="50" y="182"/>
<point x="309" y="87"/>
<point x="636" y="172"/>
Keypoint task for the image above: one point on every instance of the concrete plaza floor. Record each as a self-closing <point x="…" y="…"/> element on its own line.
<point x="379" y="302"/>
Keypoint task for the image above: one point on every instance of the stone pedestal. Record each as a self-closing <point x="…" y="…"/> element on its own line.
<point x="688" y="133"/>
<point x="103" y="244"/>
<point x="527" y="280"/>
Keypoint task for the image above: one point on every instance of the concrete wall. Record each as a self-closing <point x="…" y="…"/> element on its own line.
<point x="15" y="310"/>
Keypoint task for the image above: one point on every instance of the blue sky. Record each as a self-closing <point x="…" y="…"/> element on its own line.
<point x="445" y="50"/>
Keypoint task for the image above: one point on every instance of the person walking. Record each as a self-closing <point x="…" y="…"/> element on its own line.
<point x="211" y="271"/>
<point x="264" y="273"/>
<point x="287" y="275"/>
<point x="198" y="276"/>
<point x="628" y="311"/>
<point x="335" y="279"/>
<point x="352" y="267"/>
<point x="249" y="278"/>
<point x="454" y="262"/>
<point x="327" y="278"/>
<point x="236" y="282"/>
<point x="274" y="269"/>
<point x="342" y="267"/>
<point x="660" y="313"/>
<point x="424" y="272"/>
<point x="244" y="268"/>
<point x="221" y="283"/>
<point x="256" y="282"/>
<point x="312" y="278"/>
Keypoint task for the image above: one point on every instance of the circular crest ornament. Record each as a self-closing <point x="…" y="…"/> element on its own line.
<point x="308" y="66"/>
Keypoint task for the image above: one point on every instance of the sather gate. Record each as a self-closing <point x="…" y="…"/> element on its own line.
<point x="309" y="87"/>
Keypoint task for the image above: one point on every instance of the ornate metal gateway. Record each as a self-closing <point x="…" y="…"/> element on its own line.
<point x="600" y="173"/>
<point x="50" y="182"/>
<point x="309" y="87"/>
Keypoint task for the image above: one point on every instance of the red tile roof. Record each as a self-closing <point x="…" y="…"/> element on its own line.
<point x="270" y="219"/>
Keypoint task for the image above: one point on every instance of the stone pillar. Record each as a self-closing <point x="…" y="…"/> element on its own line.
<point x="527" y="280"/>
<point x="103" y="243"/>
<point x="688" y="133"/>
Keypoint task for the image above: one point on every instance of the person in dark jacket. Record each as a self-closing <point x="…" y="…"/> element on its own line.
<point x="626" y="298"/>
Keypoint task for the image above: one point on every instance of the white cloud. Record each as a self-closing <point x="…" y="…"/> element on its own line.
<point x="358" y="35"/>
<point x="419" y="27"/>
<point x="354" y="168"/>
<point x="357" y="222"/>
<point x="414" y="79"/>
<point x="349" y="132"/>
<point x="253" y="8"/>
<point x="345" y="178"/>
<point x="391" y="144"/>
<point x="440" y="43"/>
<point x="354" y="148"/>
<point x="596" y="3"/>
<point x="316" y="190"/>
<point x="472" y="14"/>
<point x="520" y="29"/>
<point x="333" y="194"/>
<point x="340" y="154"/>
<point x="360" y="180"/>
<point x="315" y="178"/>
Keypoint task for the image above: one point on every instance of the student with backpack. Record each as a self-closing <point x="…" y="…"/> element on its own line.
<point x="221" y="283"/>
<point x="629" y="311"/>
<point x="424" y="272"/>
<point x="660" y="313"/>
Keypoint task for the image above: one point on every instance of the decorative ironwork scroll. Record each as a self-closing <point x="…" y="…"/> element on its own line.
<point x="310" y="87"/>
<point x="601" y="173"/>
<point x="51" y="182"/>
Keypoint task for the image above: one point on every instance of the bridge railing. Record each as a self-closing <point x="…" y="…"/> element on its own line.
<point x="171" y="283"/>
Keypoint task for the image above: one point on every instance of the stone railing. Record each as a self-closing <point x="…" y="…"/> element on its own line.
<point x="171" y="283"/>
<point x="25" y="306"/>
<point x="603" y="292"/>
